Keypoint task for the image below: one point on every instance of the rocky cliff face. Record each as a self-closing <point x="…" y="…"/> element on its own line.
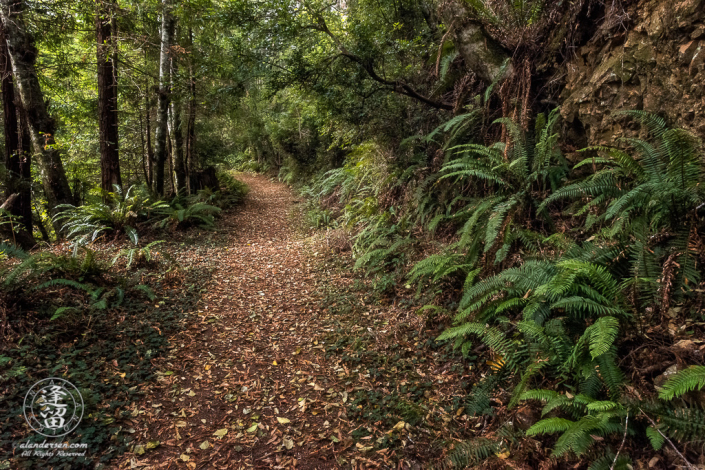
<point x="653" y="60"/>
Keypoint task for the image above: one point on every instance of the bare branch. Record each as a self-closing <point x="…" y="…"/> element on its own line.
<point x="653" y="423"/>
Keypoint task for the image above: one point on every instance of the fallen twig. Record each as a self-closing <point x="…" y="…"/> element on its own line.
<point x="624" y="438"/>
<point x="653" y="423"/>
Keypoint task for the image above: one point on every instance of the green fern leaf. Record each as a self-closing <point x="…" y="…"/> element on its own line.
<point x="601" y="335"/>
<point x="655" y="438"/>
<point x="684" y="381"/>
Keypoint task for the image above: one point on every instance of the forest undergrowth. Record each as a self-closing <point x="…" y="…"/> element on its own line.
<point x="572" y="288"/>
<point x="98" y="309"/>
<point x="485" y="248"/>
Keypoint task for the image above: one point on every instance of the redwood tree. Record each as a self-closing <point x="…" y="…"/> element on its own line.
<point x="18" y="191"/>
<point x="189" y="163"/>
<point x="160" y="154"/>
<point x="107" y="94"/>
<point x="23" y="55"/>
<point x="176" y="132"/>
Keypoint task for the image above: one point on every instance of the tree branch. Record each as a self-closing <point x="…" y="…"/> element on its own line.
<point x="397" y="86"/>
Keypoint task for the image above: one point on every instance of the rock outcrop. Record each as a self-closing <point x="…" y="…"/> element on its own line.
<point x="655" y="62"/>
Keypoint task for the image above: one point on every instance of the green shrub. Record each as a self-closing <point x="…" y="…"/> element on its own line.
<point x="232" y="188"/>
<point x="84" y="224"/>
<point x="183" y="216"/>
<point x="137" y="254"/>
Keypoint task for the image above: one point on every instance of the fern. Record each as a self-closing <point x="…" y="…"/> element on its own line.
<point x="602" y="335"/>
<point x="684" y="381"/>
<point x="65" y="283"/>
<point x="137" y="254"/>
<point x="84" y="224"/>
<point x="655" y="438"/>
<point x="478" y="400"/>
<point x="550" y="426"/>
<point x="681" y="423"/>
<point x="438" y="266"/>
<point x="59" y="312"/>
<point x="183" y="216"/>
<point x="657" y="190"/>
<point x="470" y="453"/>
<point x="533" y="165"/>
<point x="492" y="337"/>
<point x="608" y="462"/>
<point x="600" y="418"/>
<point x="146" y="291"/>
<point x="12" y="251"/>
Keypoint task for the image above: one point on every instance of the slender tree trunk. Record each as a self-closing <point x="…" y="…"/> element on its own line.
<point x="150" y="149"/>
<point x="144" y="149"/>
<point x="40" y="226"/>
<point x="17" y="162"/>
<point x="191" y="124"/>
<point x="25" y="155"/>
<point x="176" y="132"/>
<point x="23" y="55"/>
<point x="164" y="92"/>
<point x="107" y="94"/>
<point x="11" y="129"/>
<point x="24" y="150"/>
<point x="170" y="154"/>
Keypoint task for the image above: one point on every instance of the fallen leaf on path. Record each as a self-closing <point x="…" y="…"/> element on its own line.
<point x="153" y="444"/>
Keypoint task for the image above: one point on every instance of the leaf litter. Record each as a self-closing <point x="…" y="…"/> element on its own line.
<point x="284" y="365"/>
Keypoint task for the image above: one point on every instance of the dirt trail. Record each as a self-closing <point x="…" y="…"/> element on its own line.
<point x="246" y="383"/>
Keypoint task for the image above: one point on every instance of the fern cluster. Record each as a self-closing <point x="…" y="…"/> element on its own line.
<point x="590" y="419"/>
<point x="553" y="271"/>
<point x="40" y="271"/>
<point x="559" y="316"/>
<point x="567" y="314"/>
<point x="86" y="223"/>
<point x="648" y="202"/>
<point x="123" y="212"/>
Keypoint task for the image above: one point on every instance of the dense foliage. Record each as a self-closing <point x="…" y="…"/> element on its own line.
<point x="427" y="140"/>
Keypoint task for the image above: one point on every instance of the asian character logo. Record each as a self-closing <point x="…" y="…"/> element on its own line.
<point x="53" y="407"/>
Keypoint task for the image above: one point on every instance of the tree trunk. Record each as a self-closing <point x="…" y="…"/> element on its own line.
<point x="206" y="178"/>
<point x="150" y="149"/>
<point x="40" y="226"/>
<point x="170" y="155"/>
<point x="482" y="54"/>
<point x="107" y="95"/>
<point x="25" y="156"/>
<point x="178" y="147"/>
<point x="23" y="55"/>
<point x="191" y="124"/>
<point x="176" y="132"/>
<point x="144" y="148"/>
<point x="19" y="237"/>
<point x="18" y="189"/>
<point x="164" y="92"/>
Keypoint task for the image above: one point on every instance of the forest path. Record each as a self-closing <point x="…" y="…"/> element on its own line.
<point x="246" y="383"/>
